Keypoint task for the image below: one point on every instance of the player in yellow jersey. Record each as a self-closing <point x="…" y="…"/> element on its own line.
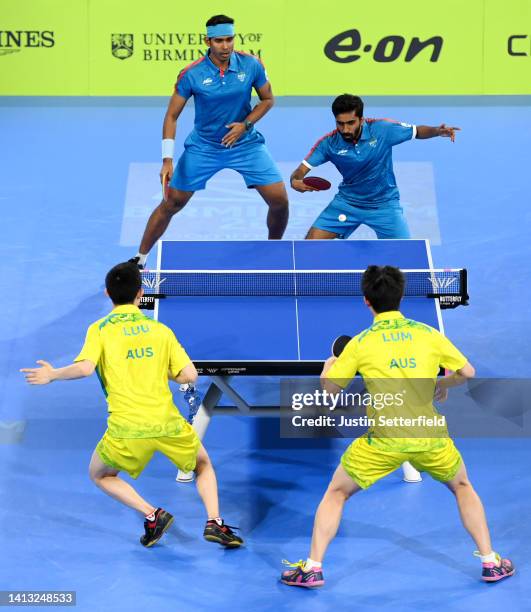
<point x="134" y="356"/>
<point x="396" y="349"/>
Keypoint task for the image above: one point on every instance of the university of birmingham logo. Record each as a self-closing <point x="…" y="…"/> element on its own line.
<point x="122" y="45"/>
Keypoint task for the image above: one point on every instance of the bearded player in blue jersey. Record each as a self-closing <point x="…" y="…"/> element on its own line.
<point x="361" y="149"/>
<point x="224" y="135"/>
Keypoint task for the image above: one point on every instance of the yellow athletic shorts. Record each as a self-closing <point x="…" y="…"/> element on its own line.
<point x="366" y="464"/>
<point x="131" y="455"/>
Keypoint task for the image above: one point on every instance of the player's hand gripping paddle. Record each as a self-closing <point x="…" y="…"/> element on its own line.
<point x="317" y="182"/>
<point x="339" y="344"/>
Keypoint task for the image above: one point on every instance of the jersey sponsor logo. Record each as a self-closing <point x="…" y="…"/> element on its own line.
<point x="373" y="142"/>
<point x="208" y="81"/>
<point x="342" y="151"/>
<point x="241" y="77"/>
<point x="122" y="45"/>
<point x="442" y="283"/>
<point x="408" y="125"/>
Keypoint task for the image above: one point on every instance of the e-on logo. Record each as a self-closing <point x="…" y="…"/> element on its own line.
<point x="122" y="45"/>
<point x="341" y="47"/>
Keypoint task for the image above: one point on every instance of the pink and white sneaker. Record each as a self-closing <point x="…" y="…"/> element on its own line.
<point x="311" y="579"/>
<point x="502" y="568"/>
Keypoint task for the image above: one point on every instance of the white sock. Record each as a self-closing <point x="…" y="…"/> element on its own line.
<point x="492" y="557"/>
<point x="310" y="563"/>
<point x="151" y="517"/>
<point x="141" y="258"/>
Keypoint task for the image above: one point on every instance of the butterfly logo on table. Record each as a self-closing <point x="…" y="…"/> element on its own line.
<point x="122" y="45"/>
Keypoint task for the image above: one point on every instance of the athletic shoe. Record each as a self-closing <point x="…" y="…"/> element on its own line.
<point x="155" y="529"/>
<point x="135" y="260"/>
<point x="492" y="572"/>
<point x="311" y="579"/>
<point x="222" y="534"/>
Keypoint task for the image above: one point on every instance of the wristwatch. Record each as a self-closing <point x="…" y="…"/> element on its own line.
<point x="248" y="125"/>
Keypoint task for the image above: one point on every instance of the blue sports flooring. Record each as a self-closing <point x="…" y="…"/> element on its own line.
<point x="63" y="178"/>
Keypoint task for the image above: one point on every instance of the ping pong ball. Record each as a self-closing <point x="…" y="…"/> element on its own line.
<point x="342" y="218"/>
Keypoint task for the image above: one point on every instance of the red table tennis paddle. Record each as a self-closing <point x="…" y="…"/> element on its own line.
<point x="317" y="182"/>
<point x="165" y="187"/>
<point x="339" y="344"/>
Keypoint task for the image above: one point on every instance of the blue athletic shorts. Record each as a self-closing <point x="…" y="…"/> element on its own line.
<point x="343" y="218"/>
<point x="200" y="162"/>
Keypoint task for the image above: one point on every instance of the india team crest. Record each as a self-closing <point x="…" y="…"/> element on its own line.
<point x="122" y="45"/>
<point x="241" y="76"/>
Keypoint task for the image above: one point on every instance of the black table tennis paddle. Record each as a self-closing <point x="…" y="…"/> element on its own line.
<point x="339" y="344"/>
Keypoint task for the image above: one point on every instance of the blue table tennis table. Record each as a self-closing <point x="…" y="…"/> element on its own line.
<point x="275" y="335"/>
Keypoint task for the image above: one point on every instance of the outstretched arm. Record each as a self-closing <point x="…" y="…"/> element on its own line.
<point x="47" y="373"/>
<point x="426" y="131"/>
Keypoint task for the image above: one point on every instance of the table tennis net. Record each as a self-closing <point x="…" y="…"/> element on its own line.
<point x="290" y="283"/>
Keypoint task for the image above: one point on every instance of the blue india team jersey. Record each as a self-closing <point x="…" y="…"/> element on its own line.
<point x="221" y="97"/>
<point x="367" y="165"/>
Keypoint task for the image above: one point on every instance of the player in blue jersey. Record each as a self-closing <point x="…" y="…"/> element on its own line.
<point x="224" y="135"/>
<point x="361" y="149"/>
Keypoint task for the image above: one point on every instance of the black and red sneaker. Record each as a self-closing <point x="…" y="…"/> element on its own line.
<point x="222" y="534"/>
<point x="155" y="529"/>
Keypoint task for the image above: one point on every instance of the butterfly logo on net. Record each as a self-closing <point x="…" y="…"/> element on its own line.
<point x="442" y="283"/>
<point x="153" y="283"/>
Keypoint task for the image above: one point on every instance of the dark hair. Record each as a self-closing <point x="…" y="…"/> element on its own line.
<point x="123" y="283"/>
<point x="217" y="19"/>
<point x="383" y="287"/>
<point x="346" y="103"/>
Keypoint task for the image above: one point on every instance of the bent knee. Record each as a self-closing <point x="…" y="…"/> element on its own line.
<point x="338" y="494"/>
<point x="281" y="204"/>
<point x="202" y="460"/>
<point x="97" y="475"/>
<point x="173" y="205"/>
<point x="459" y="484"/>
